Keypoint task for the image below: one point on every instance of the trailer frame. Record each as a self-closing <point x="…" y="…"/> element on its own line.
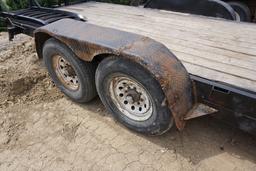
<point x="219" y="95"/>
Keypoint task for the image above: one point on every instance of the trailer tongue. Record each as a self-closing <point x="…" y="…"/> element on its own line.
<point x="27" y="20"/>
<point x="139" y="80"/>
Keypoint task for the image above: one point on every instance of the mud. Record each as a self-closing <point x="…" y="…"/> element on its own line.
<point x="40" y="129"/>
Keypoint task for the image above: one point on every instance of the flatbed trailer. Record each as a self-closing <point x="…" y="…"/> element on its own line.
<point x="221" y="62"/>
<point x="218" y="65"/>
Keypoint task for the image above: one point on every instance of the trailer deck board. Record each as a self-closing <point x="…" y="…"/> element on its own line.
<point x="215" y="49"/>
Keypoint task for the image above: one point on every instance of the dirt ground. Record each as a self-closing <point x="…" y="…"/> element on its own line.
<point x="40" y="129"/>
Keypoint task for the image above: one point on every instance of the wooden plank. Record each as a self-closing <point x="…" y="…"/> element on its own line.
<point x="235" y="44"/>
<point x="182" y="19"/>
<point x="182" y="42"/>
<point x="180" y="32"/>
<point x="215" y="49"/>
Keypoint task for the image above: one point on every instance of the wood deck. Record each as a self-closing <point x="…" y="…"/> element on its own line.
<point x="214" y="49"/>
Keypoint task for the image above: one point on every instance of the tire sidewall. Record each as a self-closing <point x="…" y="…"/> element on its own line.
<point x="51" y="48"/>
<point x="242" y="10"/>
<point x="161" y="118"/>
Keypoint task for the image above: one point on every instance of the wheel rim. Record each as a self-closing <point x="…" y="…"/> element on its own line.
<point x="131" y="98"/>
<point x="65" y="73"/>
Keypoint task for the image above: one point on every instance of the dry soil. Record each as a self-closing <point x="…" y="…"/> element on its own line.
<point x="40" y="129"/>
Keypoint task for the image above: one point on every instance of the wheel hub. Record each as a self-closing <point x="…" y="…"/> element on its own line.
<point x="131" y="98"/>
<point x="136" y="96"/>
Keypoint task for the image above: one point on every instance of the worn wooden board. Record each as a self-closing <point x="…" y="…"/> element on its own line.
<point x="211" y="48"/>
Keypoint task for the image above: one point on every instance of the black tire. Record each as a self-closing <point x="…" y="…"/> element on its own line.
<point x="242" y="10"/>
<point x="161" y="118"/>
<point x="85" y="71"/>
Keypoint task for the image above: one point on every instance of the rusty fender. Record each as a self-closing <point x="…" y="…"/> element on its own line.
<point x="87" y="41"/>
